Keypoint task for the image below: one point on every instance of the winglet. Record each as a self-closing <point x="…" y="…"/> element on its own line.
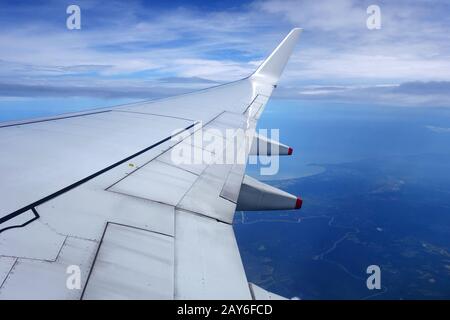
<point x="272" y="68"/>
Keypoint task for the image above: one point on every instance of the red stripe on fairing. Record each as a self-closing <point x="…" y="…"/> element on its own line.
<point x="298" y="203"/>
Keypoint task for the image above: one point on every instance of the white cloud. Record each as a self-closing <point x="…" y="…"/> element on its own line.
<point x="413" y="43"/>
<point x="438" y="129"/>
<point x="328" y="15"/>
<point x="417" y="94"/>
<point x="130" y="44"/>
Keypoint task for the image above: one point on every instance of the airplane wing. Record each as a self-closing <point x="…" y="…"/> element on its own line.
<point x="137" y="201"/>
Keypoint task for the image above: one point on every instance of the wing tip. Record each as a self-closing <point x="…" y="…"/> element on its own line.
<point x="272" y="67"/>
<point x="296" y="29"/>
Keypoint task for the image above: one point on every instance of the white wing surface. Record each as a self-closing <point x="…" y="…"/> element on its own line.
<point x="104" y="205"/>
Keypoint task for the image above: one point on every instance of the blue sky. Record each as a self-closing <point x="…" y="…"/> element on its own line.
<point x="132" y="50"/>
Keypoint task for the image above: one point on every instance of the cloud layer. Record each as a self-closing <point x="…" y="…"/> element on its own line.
<point x="140" y="50"/>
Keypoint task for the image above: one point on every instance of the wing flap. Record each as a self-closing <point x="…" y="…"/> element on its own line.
<point x="132" y="264"/>
<point x="156" y="181"/>
<point x="208" y="263"/>
<point x="34" y="241"/>
<point x="38" y="279"/>
<point x="6" y="264"/>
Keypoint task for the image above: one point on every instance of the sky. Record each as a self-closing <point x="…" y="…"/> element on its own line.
<point x="135" y="50"/>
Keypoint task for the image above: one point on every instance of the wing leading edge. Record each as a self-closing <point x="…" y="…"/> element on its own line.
<point x="99" y="195"/>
